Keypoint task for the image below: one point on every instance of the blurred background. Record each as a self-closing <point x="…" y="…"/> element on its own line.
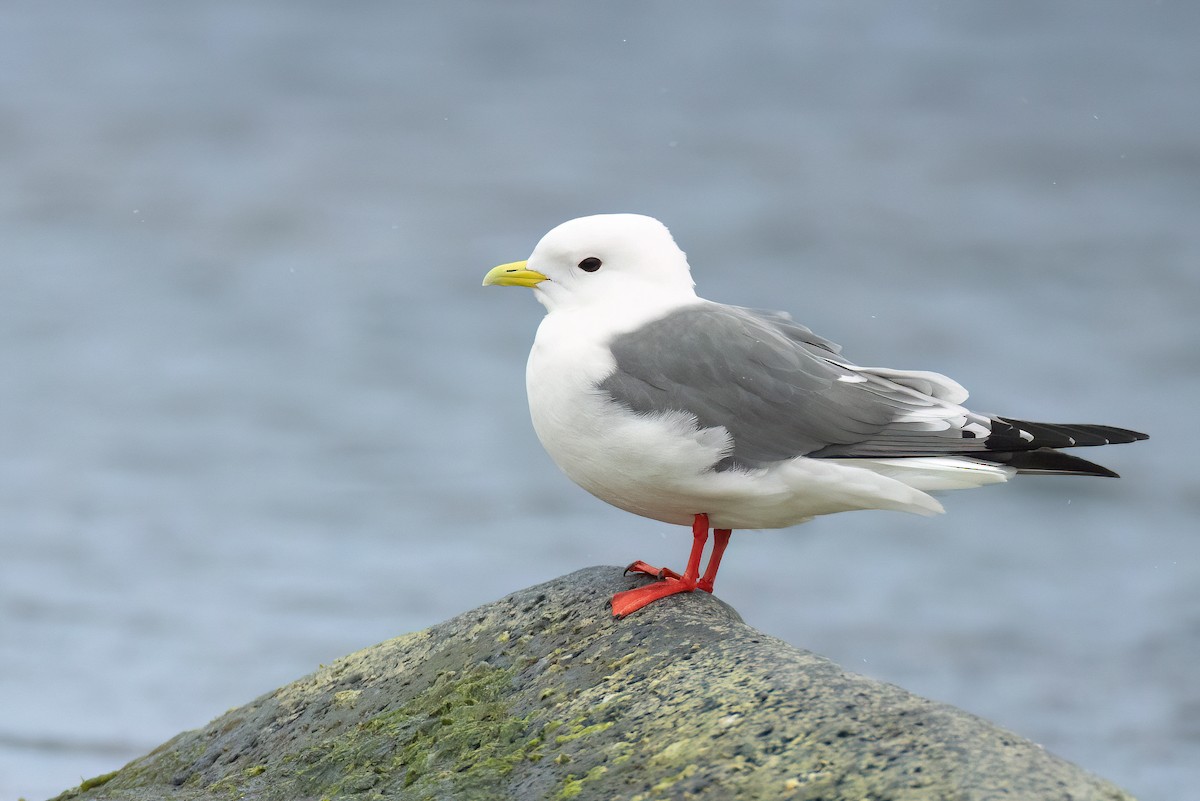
<point x="256" y="411"/>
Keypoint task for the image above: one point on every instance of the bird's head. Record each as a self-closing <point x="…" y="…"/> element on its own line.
<point x="615" y="258"/>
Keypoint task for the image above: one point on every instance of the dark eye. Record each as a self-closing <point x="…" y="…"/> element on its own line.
<point x="590" y="264"/>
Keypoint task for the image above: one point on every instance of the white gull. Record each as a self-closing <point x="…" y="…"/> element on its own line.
<point x="698" y="413"/>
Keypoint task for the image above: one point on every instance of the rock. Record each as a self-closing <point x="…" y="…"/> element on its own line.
<point x="543" y="695"/>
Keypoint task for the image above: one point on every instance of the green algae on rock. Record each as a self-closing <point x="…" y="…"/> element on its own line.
<point x="543" y="695"/>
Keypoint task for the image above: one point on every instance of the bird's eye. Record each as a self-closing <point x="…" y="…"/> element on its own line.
<point x="590" y="264"/>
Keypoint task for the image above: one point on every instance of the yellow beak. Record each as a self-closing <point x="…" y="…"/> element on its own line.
<point x="513" y="274"/>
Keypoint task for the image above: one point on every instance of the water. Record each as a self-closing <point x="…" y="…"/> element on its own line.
<point x="257" y="412"/>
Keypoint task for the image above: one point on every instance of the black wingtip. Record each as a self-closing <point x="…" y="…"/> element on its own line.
<point x="1011" y="434"/>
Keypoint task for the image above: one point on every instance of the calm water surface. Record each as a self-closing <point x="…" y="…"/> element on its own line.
<point x="256" y="411"/>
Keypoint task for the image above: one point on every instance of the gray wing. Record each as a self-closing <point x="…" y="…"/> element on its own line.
<point x="781" y="391"/>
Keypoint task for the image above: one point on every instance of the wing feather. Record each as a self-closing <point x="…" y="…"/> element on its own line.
<point x="781" y="391"/>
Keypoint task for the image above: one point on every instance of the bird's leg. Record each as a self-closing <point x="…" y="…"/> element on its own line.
<point x="699" y="537"/>
<point x="623" y="603"/>
<point x="720" y="542"/>
<point x="699" y="529"/>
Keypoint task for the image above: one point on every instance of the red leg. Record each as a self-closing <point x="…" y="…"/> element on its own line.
<point x="623" y="603"/>
<point x="720" y="542"/>
<point x="699" y="537"/>
<point x="699" y="529"/>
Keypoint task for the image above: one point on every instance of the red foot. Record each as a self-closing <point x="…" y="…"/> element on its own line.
<point x="669" y="582"/>
<point x="650" y="570"/>
<point x="624" y="603"/>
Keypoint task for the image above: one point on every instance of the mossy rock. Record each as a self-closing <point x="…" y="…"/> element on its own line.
<point x="543" y="695"/>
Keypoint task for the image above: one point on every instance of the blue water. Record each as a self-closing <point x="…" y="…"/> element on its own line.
<point x="256" y="411"/>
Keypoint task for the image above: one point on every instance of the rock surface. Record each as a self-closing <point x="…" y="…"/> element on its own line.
<point x="543" y="695"/>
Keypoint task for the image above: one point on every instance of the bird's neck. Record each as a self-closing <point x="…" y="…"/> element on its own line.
<point x="618" y="316"/>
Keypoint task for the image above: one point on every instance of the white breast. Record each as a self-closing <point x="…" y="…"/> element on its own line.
<point x="637" y="463"/>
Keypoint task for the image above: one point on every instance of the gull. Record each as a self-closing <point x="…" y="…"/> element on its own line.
<point x="698" y="413"/>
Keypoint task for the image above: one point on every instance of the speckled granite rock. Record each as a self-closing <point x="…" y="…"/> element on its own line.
<point x="542" y="695"/>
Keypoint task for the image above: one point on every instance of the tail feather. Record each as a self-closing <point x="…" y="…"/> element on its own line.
<point x="1048" y="461"/>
